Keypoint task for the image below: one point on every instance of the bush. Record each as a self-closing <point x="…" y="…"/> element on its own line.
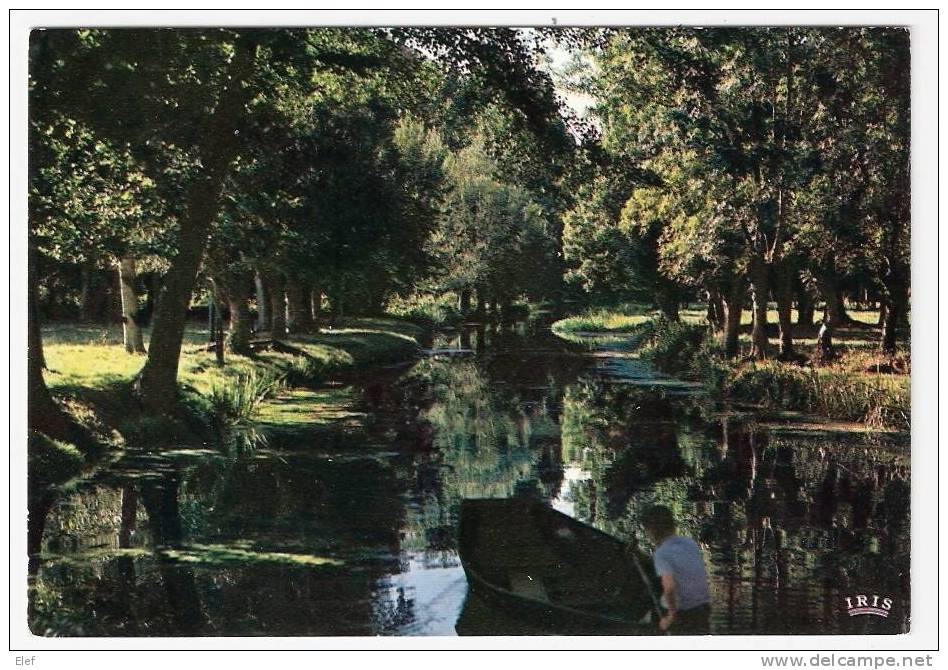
<point x="430" y="311"/>
<point x="235" y="407"/>
<point x="304" y="371"/>
<point x="674" y="346"/>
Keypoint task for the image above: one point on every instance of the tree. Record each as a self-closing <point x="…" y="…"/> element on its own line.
<point x="492" y="237"/>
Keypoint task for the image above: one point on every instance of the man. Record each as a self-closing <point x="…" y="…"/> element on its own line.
<point x="680" y="565"/>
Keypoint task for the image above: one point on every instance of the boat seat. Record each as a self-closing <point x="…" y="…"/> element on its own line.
<point x="526" y="585"/>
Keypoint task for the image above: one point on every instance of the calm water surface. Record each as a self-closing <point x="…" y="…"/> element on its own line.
<point x="347" y="527"/>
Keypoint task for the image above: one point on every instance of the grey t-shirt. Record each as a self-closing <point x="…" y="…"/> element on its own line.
<point x="681" y="557"/>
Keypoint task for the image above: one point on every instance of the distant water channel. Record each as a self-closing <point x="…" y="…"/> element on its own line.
<point x="347" y="527"/>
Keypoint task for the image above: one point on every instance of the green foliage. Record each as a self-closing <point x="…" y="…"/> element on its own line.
<point x="673" y="346"/>
<point x="492" y="235"/>
<point x="430" y="310"/>
<point x="235" y="407"/>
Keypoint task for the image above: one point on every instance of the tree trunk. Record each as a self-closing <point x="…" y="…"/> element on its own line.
<point x="833" y="297"/>
<point x="464" y="301"/>
<point x="759" y="289"/>
<point x="805" y="307"/>
<point x="824" y="339"/>
<point x="277" y="285"/>
<point x="158" y="378"/>
<point x="733" y="305"/>
<point x="299" y="307"/>
<point x="151" y="299"/>
<point x="715" y="313"/>
<point x="235" y="289"/>
<point x="666" y="296"/>
<point x="894" y="316"/>
<point x="784" y="276"/>
<point x="263" y="303"/>
<point x="43" y="414"/>
<point x="506" y="307"/>
<point x="238" y="336"/>
<point x="481" y="301"/>
<point x="316" y="305"/>
<point x="85" y="293"/>
<point x="131" y="325"/>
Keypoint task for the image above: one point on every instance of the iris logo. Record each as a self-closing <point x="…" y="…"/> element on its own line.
<point x="868" y="604"/>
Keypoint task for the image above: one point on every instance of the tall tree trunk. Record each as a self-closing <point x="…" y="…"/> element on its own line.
<point x="158" y="378"/>
<point x="299" y="307"/>
<point x="897" y="308"/>
<point x="235" y="289"/>
<point x="151" y="299"/>
<point x="43" y="414"/>
<point x="277" y="285"/>
<point x="85" y="293"/>
<point x="316" y="305"/>
<point x="733" y="305"/>
<point x="824" y="339"/>
<point x="784" y="276"/>
<point x="666" y="296"/>
<point x="464" y="301"/>
<point x="806" y="307"/>
<point x="263" y="303"/>
<point x="715" y="313"/>
<point x="833" y="297"/>
<point x="506" y="307"/>
<point x="131" y="326"/>
<point x="480" y="309"/>
<point x="759" y="288"/>
<point x="238" y="336"/>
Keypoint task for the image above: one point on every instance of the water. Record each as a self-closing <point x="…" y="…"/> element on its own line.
<point x="347" y="527"/>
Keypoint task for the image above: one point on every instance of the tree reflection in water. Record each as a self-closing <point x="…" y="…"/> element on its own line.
<point x="348" y="529"/>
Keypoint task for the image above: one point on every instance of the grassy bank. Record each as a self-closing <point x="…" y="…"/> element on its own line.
<point x="91" y="376"/>
<point x="857" y="387"/>
<point x="626" y="319"/>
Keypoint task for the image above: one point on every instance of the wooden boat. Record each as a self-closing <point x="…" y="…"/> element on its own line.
<point x="547" y="568"/>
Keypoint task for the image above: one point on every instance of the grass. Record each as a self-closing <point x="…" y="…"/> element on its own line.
<point x="626" y="319"/>
<point x="86" y="357"/>
<point x="91" y="375"/>
<point x="851" y="388"/>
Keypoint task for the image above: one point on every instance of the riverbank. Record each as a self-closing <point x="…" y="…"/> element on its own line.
<point x="91" y="375"/>
<point x="858" y="386"/>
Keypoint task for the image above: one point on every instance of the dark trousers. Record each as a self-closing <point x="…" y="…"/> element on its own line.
<point x="696" y="621"/>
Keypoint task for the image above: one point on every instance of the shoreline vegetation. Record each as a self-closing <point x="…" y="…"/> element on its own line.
<point x="858" y="385"/>
<point x="91" y="378"/>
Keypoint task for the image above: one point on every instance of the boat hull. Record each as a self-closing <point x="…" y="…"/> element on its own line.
<point x="551" y="571"/>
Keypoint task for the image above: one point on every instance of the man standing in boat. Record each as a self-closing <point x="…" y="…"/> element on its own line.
<point x="680" y="565"/>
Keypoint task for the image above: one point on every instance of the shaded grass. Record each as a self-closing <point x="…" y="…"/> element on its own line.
<point x="625" y="318"/>
<point x="91" y="375"/>
<point x="81" y="357"/>
<point x="851" y="388"/>
<point x="880" y="401"/>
